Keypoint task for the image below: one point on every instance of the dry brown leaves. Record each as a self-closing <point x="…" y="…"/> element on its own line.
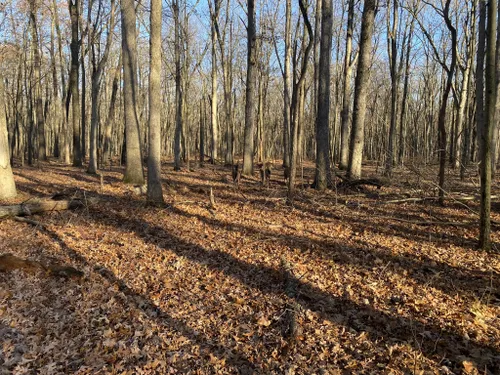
<point x="186" y="289"/>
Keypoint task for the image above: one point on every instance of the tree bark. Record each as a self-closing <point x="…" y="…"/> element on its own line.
<point x="7" y="184"/>
<point x="323" y="174"/>
<point x="40" y="118"/>
<point x="361" y="90"/>
<point x="133" y="171"/>
<point x="248" y="150"/>
<point x="97" y="72"/>
<point x="346" y="100"/>
<point x="155" y="193"/>
<point x="486" y="134"/>
<point x="74" y="9"/>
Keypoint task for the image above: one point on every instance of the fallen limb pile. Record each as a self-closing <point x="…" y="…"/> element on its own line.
<point x="35" y="207"/>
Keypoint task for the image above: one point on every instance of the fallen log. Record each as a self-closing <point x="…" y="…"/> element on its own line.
<point x="350" y="184"/>
<point x="9" y="262"/>
<point x="36" y="207"/>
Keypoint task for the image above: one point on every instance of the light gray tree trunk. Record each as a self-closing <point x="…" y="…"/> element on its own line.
<point x="133" y="171"/>
<point x="361" y="90"/>
<point x="346" y="100"/>
<point x="7" y="184"/>
<point x="155" y="193"/>
<point x="97" y="71"/>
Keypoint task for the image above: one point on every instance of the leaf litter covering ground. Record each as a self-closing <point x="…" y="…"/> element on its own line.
<point x="184" y="289"/>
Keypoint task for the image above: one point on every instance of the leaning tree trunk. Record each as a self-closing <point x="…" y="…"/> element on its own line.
<point x="133" y="170"/>
<point x="248" y="150"/>
<point x="7" y="184"/>
<point x="323" y="174"/>
<point x="361" y="90"/>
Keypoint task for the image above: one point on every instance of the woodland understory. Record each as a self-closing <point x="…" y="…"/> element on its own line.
<point x="348" y="281"/>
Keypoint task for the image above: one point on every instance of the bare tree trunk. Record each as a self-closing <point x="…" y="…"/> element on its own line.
<point x="133" y="171"/>
<point x="108" y="127"/>
<point x="486" y="134"/>
<point x="74" y="9"/>
<point x="287" y="79"/>
<point x="178" y="88"/>
<point x="393" y="62"/>
<point x="348" y="66"/>
<point x="360" y="90"/>
<point x="404" y="100"/>
<point x="214" y="128"/>
<point x="155" y="193"/>
<point x="7" y="184"/>
<point x="297" y="87"/>
<point x="40" y="118"/>
<point x="97" y="71"/>
<point x="248" y="150"/>
<point x="323" y="174"/>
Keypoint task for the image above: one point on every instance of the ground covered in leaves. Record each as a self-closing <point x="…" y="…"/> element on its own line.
<point x="375" y="285"/>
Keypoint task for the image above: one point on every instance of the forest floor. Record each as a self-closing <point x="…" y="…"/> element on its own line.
<point x="372" y="287"/>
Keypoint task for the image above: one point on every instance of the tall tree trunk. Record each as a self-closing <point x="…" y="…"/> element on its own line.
<point x="215" y="127"/>
<point x="97" y="72"/>
<point x="404" y="100"/>
<point x="248" y="149"/>
<point x="393" y="62"/>
<point x="178" y="87"/>
<point x="346" y="100"/>
<point x="7" y="184"/>
<point x="133" y="171"/>
<point x="108" y="127"/>
<point x="74" y="9"/>
<point x="323" y="174"/>
<point x="297" y="87"/>
<point x="361" y="90"/>
<point x="486" y="133"/>
<point x="155" y="193"/>
<point x="287" y="79"/>
<point x="40" y="118"/>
